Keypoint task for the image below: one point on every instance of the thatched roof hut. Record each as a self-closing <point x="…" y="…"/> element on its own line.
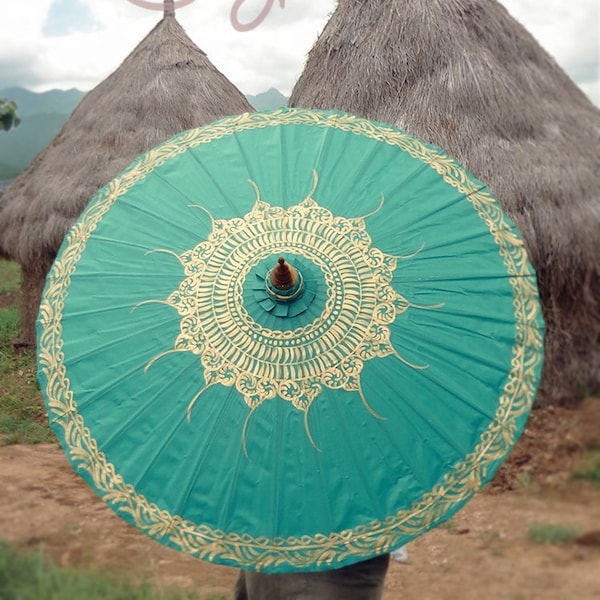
<point x="467" y="77"/>
<point x="166" y="85"/>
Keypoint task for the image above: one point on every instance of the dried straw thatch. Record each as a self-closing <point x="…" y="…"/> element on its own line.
<point x="166" y="85"/>
<point x="465" y="76"/>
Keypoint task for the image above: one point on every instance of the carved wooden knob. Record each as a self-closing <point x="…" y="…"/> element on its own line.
<point x="283" y="276"/>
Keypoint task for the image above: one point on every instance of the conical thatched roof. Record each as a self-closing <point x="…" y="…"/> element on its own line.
<point x="465" y="76"/>
<point x="166" y="85"/>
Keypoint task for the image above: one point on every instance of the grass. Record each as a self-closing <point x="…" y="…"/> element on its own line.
<point x="29" y="576"/>
<point x="547" y="533"/>
<point x="22" y="411"/>
<point x="591" y="471"/>
<point x="10" y="277"/>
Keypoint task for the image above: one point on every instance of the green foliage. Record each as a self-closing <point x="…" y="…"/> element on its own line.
<point x="28" y="576"/>
<point x="8" y="115"/>
<point x="551" y="534"/>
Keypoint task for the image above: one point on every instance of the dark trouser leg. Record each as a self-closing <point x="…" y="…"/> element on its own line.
<point x="361" y="581"/>
<point x="240" y="593"/>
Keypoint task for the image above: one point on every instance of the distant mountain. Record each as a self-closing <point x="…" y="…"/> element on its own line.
<point x="267" y="100"/>
<point x="43" y="115"/>
<point x="19" y="145"/>
<point x="31" y="103"/>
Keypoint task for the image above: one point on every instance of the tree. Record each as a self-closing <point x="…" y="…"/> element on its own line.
<point x="8" y="115"/>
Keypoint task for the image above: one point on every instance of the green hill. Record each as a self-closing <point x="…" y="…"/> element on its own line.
<point x="43" y="115"/>
<point x="268" y="100"/>
<point x="19" y="145"/>
<point x="31" y="103"/>
<point x="7" y="172"/>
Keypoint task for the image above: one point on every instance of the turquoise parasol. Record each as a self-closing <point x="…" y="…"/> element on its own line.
<point x="290" y="340"/>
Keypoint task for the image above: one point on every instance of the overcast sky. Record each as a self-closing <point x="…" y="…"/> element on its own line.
<point x="63" y="44"/>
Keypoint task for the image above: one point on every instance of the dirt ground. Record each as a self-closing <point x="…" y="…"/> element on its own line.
<point x="483" y="553"/>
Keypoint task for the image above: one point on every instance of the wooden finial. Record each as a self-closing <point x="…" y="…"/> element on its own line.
<point x="283" y="276"/>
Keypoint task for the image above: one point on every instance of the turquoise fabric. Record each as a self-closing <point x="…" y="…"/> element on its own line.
<point x="302" y="435"/>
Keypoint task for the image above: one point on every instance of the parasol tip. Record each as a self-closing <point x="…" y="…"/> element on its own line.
<point x="283" y="276"/>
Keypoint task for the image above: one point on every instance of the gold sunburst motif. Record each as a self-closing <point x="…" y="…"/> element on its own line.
<point x="329" y="351"/>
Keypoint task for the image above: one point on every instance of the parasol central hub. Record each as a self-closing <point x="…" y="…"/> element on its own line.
<point x="284" y="282"/>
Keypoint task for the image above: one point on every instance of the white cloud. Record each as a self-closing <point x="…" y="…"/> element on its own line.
<point x="592" y="91"/>
<point x="568" y="31"/>
<point x="271" y="55"/>
<point x="68" y="16"/>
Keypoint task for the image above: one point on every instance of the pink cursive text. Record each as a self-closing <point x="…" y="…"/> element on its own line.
<point x="257" y="21"/>
<point x="165" y="4"/>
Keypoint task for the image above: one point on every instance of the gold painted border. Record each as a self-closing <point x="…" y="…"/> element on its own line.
<point x="322" y="550"/>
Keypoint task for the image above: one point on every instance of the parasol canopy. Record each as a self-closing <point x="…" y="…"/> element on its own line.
<point x="290" y="340"/>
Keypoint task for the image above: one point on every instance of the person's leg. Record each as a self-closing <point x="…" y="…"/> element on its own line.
<point x="278" y="586"/>
<point x="241" y="592"/>
<point x="361" y="581"/>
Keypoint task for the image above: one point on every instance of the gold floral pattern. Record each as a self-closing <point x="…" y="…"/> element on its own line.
<point x="295" y="364"/>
